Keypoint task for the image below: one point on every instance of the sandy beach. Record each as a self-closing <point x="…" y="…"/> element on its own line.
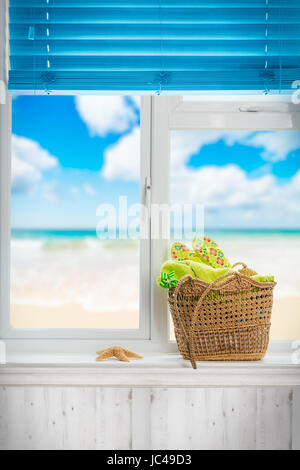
<point x="70" y="316"/>
<point x="286" y="318"/>
<point x="73" y="283"/>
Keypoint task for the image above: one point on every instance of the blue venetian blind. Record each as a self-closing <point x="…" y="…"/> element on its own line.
<point x="154" y="45"/>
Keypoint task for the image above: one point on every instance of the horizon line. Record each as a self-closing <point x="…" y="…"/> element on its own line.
<point x="87" y="229"/>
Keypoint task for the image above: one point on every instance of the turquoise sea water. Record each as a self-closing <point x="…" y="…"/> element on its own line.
<point x="40" y="234"/>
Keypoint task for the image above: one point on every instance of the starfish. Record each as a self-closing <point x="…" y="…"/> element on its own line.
<point x="118" y="352"/>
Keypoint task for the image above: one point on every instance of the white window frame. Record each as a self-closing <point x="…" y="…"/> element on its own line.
<point x="159" y="116"/>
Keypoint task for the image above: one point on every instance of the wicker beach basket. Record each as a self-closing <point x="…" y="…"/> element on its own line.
<point x="227" y="320"/>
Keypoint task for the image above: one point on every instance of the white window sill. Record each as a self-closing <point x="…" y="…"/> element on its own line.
<point x="168" y="370"/>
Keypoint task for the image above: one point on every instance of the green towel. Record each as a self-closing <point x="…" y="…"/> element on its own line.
<point x="175" y="270"/>
<point x="204" y="272"/>
<point x="263" y="278"/>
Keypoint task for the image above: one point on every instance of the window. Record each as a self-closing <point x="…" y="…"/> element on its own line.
<point x="78" y="268"/>
<point x="75" y="161"/>
<point x="179" y="139"/>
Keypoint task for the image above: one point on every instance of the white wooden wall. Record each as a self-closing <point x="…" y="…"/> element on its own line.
<point x="112" y="418"/>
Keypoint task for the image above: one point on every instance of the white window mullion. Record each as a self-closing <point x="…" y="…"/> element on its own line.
<point x="145" y="244"/>
<point x="160" y="196"/>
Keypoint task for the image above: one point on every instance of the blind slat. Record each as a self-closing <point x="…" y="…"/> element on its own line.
<point x="156" y="31"/>
<point x="153" y="3"/>
<point x="121" y="63"/>
<point x="154" y="15"/>
<point x="124" y="81"/>
<point x="155" y="48"/>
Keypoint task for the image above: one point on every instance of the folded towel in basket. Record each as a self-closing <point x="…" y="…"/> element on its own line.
<point x="173" y="271"/>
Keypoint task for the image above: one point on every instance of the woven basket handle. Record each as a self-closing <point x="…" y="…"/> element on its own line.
<point x="185" y="334"/>
<point x="240" y="263"/>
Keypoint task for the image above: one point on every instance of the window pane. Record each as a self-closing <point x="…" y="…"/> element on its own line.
<point x="249" y="185"/>
<point x="72" y="156"/>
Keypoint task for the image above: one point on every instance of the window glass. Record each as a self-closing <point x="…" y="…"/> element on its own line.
<point x="249" y="186"/>
<point x="73" y="158"/>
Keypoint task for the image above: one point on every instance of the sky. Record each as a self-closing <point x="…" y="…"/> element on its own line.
<point x="71" y="154"/>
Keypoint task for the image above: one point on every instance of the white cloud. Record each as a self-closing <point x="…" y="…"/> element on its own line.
<point x="228" y="190"/>
<point x="232" y="199"/>
<point x="221" y="187"/>
<point x="29" y="161"/>
<point x="31" y="152"/>
<point x="104" y="114"/>
<point x="137" y="100"/>
<point x="24" y="175"/>
<point x="276" y="145"/>
<point x="184" y="144"/>
<point x="122" y="160"/>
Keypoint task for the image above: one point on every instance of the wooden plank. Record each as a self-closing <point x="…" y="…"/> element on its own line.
<point x="274" y="419"/>
<point x="214" y="419"/>
<point x="52" y="418"/>
<point x="35" y="416"/>
<point x="141" y="418"/>
<point x="196" y="419"/>
<point x="114" y="415"/>
<point x="203" y="426"/>
<point x="159" y="419"/>
<point x="296" y="419"/>
<point x="57" y="425"/>
<point x="239" y="412"/>
<point x="36" y="419"/>
<point x="16" y="424"/>
<point x="78" y="415"/>
<point x="3" y="418"/>
<point x="176" y="420"/>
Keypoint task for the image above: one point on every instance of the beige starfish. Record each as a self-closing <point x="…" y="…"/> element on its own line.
<point x="118" y="352"/>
